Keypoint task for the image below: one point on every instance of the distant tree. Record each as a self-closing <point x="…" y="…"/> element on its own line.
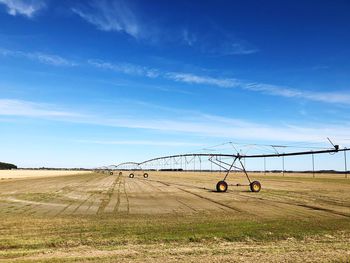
<point x="7" y="166"/>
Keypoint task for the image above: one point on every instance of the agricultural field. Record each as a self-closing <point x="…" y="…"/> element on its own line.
<point x="173" y="217"/>
<point x="20" y="174"/>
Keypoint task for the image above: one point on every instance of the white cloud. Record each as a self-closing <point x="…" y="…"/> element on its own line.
<point x="207" y="80"/>
<point x="121" y="16"/>
<point x="233" y="129"/>
<point x="235" y="48"/>
<point x="195" y="124"/>
<point x="50" y="59"/>
<point x="143" y="142"/>
<point x="215" y="41"/>
<point x="125" y="68"/>
<point x="44" y="58"/>
<point x="333" y="97"/>
<point x="189" y="38"/>
<point x="110" y="16"/>
<point x="328" y="97"/>
<point x="13" y="107"/>
<point x="26" y="8"/>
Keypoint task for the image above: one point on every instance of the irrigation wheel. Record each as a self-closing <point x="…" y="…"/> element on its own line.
<point x="111" y="173"/>
<point x="120" y="173"/>
<point x="221" y="186"/>
<point x="255" y="186"/>
<point x="145" y="175"/>
<point x="131" y="175"/>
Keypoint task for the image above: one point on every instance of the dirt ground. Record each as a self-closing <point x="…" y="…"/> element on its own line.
<point x="289" y="198"/>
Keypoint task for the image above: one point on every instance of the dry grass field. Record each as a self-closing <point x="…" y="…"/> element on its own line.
<point x="17" y="174"/>
<point x="173" y="217"/>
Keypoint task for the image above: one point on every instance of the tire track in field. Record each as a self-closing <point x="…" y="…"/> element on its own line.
<point x="206" y="198"/>
<point x="64" y="191"/>
<point x="110" y="191"/>
<point x="34" y="208"/>
<point x="73" y="189"/>
<point x="64" y="209"/>
<point x="82" y="203"/>
<point x="162" y="190"/>
<point x="184" y="185"/>
<point x="116" y="207"/>
<point x="186" y="205"/>
<point x="166" y="201"/>
<point x="213" y="201"/>
<point x="79" y="205"/>
<point x="126" y="197"/>
<point x="311" y="207"/>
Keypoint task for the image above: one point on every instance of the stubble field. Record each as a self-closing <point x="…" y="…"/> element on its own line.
<point x="174" y="216"/>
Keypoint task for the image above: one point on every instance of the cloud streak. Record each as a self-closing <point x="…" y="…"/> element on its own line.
<point x="120" y="16"/>
<point x="333" y="97"/>
<point x="110" y="16"/>
<point x="216" y="42"/>
<point x="13" y="107"/>
<point x="48" y="59"/>
<point x="197" y="124"/>
<point x="328" y="97"/>
<point x="26" y="8"/>
<point x="206" y="80"/>
<point x="125" y="68"/>
<point x="142" y="142"/>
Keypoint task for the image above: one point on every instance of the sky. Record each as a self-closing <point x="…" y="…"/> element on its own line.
<point x="96" y="82"/>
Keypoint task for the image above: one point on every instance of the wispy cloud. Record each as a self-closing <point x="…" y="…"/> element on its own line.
<point x="26" y="8"/>
<point x="214" y="41"/>
<point x="206" y="80"/>
<point x="110" y="16"/>
<point x="188" y="37"/>
<point x="194" y="124"/>
<point x="14" y="107"/>
<point x="143" y="142"/>
<point x="121" y="16"/>
<point x="44" y="58"/>
<point x="328" y="97"/>
<point x="125" y="68"/>
<point x="227" y="47"/>
<point x="333" y="97"/>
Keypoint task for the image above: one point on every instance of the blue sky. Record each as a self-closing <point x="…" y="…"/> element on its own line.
<point x="87" y="83"/>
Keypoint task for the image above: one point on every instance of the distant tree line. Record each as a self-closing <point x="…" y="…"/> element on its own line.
<point x="7" y="166"/>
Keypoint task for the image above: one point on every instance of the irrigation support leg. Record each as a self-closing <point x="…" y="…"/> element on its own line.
<point x="194" y="163"/>
<point x="346" y="165"/>
<point x="229" y="170"/>
<point x="200" y="164"/>
<point x="245" y="172"/>
<point x="283" y="165"/>
<point x="264" y="165"/>
<point x="313" y="165"/>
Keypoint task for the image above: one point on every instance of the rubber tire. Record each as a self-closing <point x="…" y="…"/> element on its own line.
<point x="111" y="173"/>
<point x="131" y="175"/>
<point x="255" y="186"/>
<point x="145" y="175"/>
<point x="221" y="186"/>
<point x="120" y="173"/>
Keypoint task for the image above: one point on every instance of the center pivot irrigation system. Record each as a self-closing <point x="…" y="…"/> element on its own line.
<point x="225" y="162"/>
